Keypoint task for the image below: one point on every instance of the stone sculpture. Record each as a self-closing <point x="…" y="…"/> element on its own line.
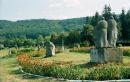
<point x="112" y="32"/>
<point x="105" y="41"/>
<point x="100" y="33"/>
<point x="50" y="49"/>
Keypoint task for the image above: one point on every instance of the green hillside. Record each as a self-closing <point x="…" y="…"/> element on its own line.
<point x="32" y="28"/>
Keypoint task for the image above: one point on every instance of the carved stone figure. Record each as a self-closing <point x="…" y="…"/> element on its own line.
<point x="50" y="49"/>
<point x="105" y="35"/>
<point x="100" y="33"/>
<point x="112" y="32"/>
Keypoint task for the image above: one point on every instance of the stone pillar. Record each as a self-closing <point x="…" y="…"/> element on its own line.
<point x="50" y="49"/>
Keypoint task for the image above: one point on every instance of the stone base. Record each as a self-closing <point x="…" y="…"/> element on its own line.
<point x="105" y="55"/>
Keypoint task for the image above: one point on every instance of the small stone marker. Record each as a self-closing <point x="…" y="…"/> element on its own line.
<point x="50" y="49"/>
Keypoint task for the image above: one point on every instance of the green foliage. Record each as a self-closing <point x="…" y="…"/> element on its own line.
<point x="1" y="46"/>
<point x="26" y="50"/>
<point x="87" y="34"/>
<point x="107" y="12"/>
<point x="95" y="19"/>
<point x="126" y="53"/>
<point x="73" y="37"/>
<point x="32" y="28"/>
<point x="107" y="72"/>
<point x="125" y="73"/>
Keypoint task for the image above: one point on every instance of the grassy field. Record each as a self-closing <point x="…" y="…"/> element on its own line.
<point x="11" y="73"/>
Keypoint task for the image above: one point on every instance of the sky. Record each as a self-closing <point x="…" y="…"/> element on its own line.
<point x="56" y="9"/>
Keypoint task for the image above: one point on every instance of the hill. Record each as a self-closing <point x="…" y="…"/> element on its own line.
<point x="32" y="28"/>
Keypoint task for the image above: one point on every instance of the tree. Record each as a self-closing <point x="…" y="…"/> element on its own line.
<point x="95" y="19"/>
<point x="123" y="24"/>
<point x="53" y="37"/>
<point x="87" y="34"/>
<point x="40" y="39"/>
<point x="107" y="12"/>
<point x="128" y="25"/>
<point x="73" y="37"/>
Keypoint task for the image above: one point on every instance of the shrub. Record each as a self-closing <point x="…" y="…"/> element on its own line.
<point x="14" y="51"/>
<point x="108" y="72"/>
<point x="85" y="43"/>
<point x="27" y="50"/>
<point x="126" y="53"/>
<point x="125" y="72"/>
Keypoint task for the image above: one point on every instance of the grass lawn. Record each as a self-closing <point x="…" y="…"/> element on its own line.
<point x="10" y="73"/>
<point x="74" y="57"/>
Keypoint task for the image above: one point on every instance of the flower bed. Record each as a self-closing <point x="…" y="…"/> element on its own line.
<point x="67" y="70"/>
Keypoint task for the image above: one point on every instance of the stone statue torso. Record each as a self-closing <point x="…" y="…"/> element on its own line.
<point x="100" y="33"/>
<point x="112" y="32"/>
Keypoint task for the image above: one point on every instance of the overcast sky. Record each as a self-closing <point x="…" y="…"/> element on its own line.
<point x="56" y="9"/>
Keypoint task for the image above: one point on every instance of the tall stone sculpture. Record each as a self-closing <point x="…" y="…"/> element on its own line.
<point x="50" y="49"/>
<point x="105" y="43"/>
<point x="100" y="33"/>
<point x="112" y="32"/>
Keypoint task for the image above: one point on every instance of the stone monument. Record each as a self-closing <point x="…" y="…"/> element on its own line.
<point x="50" y="49"/>
<point x="105" y="50"/>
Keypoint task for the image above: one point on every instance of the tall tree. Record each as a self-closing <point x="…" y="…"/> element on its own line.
<point x="74" y="37"/>
<point x="87" y="33"/>
<point x="123" y="24"/>
<point x="53" y="37"/>
<point x="107" y="12"/>
<point x="95" y="19"/>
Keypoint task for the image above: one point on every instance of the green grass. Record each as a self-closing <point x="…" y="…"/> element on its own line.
<point x="4" y="52"/>
<point x="76" y="58"/>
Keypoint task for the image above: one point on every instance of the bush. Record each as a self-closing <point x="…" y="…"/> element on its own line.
<point x="125" y="73"/>
<point x="27" y="50"/>
<point x="85" y="43"/>
<point x="105" y="73"/>
<point x="126" y="53"/>
<point x="1" y="46"/>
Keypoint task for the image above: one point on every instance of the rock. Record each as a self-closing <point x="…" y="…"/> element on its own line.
<point x="105" y="55"/>
<point x="50" y="49"/>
